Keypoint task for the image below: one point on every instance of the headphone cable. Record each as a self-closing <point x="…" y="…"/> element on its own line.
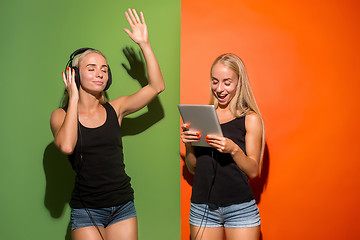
<point x="206" y="211"/>
<point x="78" y="184"/>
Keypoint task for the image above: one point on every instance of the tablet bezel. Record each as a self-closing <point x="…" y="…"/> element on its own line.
<point x="201" y="118"/>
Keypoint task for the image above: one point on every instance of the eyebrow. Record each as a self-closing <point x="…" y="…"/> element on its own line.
<point x="226" y="79"/>
<point x="93" y="65"/>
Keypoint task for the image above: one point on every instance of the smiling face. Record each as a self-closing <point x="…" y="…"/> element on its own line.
<point x="93" y="70"/>
<point x="223" y="83"/>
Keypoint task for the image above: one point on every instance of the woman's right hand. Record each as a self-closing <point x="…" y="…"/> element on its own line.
<point x="70" y="84"/>
<point x="188" y="136"/>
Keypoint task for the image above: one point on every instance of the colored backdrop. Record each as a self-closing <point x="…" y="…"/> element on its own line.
<point x="37" y="38"/>
<point x="303" y="65"/>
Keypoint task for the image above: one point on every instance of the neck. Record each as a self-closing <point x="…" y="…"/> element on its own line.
<point x="224" y="114"/>
<point x="223" y="110"/>
<point x="223" y="107"/>
<point x="88" y="102"/>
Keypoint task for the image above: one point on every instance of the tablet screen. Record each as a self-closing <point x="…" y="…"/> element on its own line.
<point x="201" y="118"/>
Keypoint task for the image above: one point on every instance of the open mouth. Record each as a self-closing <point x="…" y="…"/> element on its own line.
<point x="221" y="96"/>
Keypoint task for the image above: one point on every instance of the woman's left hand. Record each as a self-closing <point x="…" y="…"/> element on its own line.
<point x="222" y="144"/>
<point x="138" y="33"/>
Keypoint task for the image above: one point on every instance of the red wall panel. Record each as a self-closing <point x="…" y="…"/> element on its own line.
<point x="303" y="64"/>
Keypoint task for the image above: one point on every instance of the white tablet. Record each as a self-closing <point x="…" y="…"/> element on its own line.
<point x="201" y="118"/>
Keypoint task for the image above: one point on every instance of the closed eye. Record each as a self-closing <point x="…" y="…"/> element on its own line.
<point x="227" y="82"/>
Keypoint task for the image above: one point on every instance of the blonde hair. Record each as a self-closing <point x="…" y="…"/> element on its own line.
<point x="243" y="101"/>
<point x="76" y="62"/>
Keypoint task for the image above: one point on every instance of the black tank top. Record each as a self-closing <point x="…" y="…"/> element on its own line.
<point x="98" y="160"/>
<point x="218" y="180"/>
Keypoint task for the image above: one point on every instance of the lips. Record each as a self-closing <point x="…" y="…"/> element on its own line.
<point x="222" y="96"/>
<point x="98" y="83"/>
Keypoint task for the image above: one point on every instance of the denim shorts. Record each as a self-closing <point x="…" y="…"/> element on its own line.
<point x="233" y="216"/>
<point x="102" y="217"/>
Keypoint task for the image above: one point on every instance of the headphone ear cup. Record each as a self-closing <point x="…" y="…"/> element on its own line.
<point x="77" y="77"/>
<point x="109" y="79"/>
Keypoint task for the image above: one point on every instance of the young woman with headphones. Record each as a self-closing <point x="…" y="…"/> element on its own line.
<point x="222" y="202"/>
<point x="88" y="130"/>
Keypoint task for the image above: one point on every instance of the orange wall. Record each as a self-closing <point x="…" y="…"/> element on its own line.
<point x="303" y="63"/>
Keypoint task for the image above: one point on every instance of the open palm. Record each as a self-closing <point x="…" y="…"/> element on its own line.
<point x="138" y="33"/>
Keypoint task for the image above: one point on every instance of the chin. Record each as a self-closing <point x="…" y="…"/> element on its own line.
<point x="223" y="105"/>
<point x="223" y="102"/>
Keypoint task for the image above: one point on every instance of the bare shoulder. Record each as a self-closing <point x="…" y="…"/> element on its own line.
<point x="57" y="118"/>
<point x="117" y="104"/>
<point x="253" y="122"/>
<point x="58" y="114"/>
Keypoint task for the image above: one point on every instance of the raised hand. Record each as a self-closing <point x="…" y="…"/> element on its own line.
<point x="69" y="81"/>
<point x="138" y="33"/>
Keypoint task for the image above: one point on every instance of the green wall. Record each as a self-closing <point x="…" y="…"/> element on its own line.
<point x="37" y="38"/>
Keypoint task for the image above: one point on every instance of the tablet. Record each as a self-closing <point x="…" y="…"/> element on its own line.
<point x="201" y="118"/>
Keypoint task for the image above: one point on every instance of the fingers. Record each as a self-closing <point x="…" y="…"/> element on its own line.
<point x="128" y="18"/>
<point x="73" y="76"/>
<point x="216" y="142"/>
<point x="68" y="77"/>
<point x="142" y="18"/>
<point x="216" y="137"/>
<point x="187" y="131"/>
<point x="133" y="18"/>
<point x="189" y="135"/>
<point x="185" y="127"/>
<point x="217" y="146"/>
<point x="64" y="78"/>
<point x="127" y="31"/>
<point x="136" y="16"/>
<point x="138" y="29"/>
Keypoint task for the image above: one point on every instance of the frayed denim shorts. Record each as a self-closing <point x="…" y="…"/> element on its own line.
<point x="102" y="217"/>
<point x="233" y="216"/>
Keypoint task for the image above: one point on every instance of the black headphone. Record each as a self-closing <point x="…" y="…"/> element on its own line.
<point x="77" y="74"/>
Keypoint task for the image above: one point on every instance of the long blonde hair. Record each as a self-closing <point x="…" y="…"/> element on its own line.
<point x="76" y="62"/>
<point x="243" y="101"/>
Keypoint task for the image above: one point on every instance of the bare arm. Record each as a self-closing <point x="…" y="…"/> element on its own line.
<point x="132" y="103"/>
<point x="253" y="139"/>
<point x="187" y="137"/>
<point x="64" y="124"/>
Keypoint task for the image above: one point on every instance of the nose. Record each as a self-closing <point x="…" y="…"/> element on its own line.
<point x="220" y="88"/>
<point x="99" y="73"/>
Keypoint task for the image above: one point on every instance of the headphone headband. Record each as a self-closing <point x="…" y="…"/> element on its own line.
<point x="77" y="74"/>
<point x="79" y="51"/>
